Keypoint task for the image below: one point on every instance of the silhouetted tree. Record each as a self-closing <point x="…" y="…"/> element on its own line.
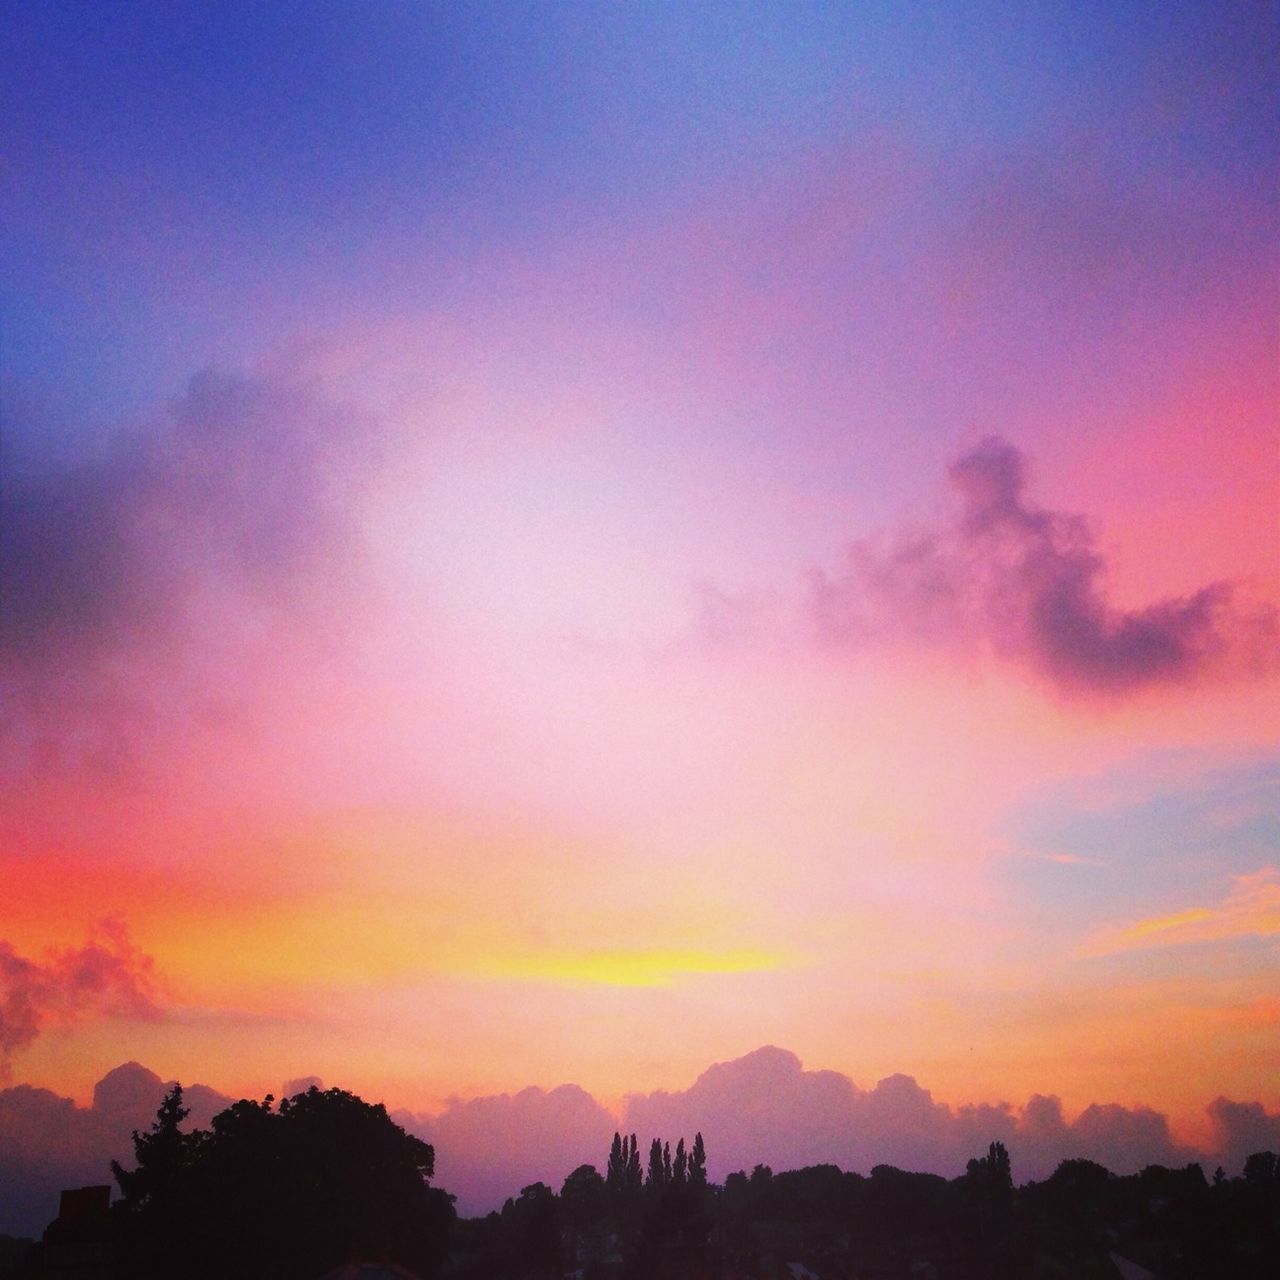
<point x="904" y="1211"/>
<point x="633" y="1180"/>
<point x="536" y="1222"/>
<point x="680" y="1165"/>
<point x="622" y="1173"/>
<point x="615" y="1170"/>
<point x="283" y="1194"/>
<point x="159" y="1200"/>
<point x="987" y="1189"/>
<point x="582" y="1197"/>
<point x="657" y="1173"/>
<point x="698" y="1163"/>
<point x="164" y="1155"/>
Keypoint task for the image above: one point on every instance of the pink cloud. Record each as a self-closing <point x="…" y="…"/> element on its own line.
<point x="1027" y="583"/>
<point x="766" y="1108"/>
<point x="107" y="977"/>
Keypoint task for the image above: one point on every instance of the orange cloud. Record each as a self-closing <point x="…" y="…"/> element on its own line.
<point x="1251" y="909"/>
<point x="107" y="977"/>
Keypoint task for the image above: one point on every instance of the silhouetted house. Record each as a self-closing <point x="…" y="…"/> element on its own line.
<point x="77" y="1244"/>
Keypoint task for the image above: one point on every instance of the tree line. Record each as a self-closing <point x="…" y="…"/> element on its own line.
<point x="622" y="1172"/>
<point x="294" y="1190"/>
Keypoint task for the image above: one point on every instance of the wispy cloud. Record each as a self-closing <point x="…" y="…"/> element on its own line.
<point x="1066" y="859"/>
<point x="1251" y="909"/>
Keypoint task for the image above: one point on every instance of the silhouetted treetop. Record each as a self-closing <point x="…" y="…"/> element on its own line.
<point x="285" y="1193"/>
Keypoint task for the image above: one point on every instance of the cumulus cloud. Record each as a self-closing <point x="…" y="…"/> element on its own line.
<point x="293" y="1087"/>
<point x="752" y="1109"/>
<point x="1242" y="1129"/>
<point x="107" y="977"/>
<point x="1029" y="583"/>
<point x="763" y="1108"/>
<point x="48" y="1143"/>
<point x="488" y="1148"/>
<point x="766" y="1108"/>
<point x="1125" y="1138"/>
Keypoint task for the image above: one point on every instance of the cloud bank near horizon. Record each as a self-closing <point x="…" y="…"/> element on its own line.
<point x="762" y="1108"/>
<point x="48" y="1143"/>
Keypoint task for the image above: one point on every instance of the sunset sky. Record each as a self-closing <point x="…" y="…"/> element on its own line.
<point x="565" y="543"/>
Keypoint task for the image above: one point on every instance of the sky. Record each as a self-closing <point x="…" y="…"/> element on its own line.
<point x="557" y="546"/>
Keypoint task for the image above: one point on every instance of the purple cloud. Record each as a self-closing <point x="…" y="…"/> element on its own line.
<point x="1028" y="583"/>
<point x="1243" y="1128"/>
<point x="243" y="484"/>
<point x="228" y="522"/>
<point x="765" y="1108"/>
<point x="488" y="1148"/>
<point x="48" y="1143"/>
<point x="293" y="1087"/>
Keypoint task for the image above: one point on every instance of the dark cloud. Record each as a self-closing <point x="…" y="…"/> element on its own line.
<point x="1125" y="1138"/>
<point x="228" y="518"/>
<point x="1243" y="1128"/>
<point x="48" y="1143"/>
<point x="1028" y="582"/>
<point x="107" y="977"/>
<point x="242" y="485"/>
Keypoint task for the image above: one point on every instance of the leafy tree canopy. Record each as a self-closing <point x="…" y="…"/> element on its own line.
<point x="285" y="1193"/>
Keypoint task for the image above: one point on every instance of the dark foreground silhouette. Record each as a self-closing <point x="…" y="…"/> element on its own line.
<point x="327" y="1187"/>
<point x="285" y="1193"/>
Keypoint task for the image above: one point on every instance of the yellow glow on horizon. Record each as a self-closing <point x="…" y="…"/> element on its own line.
<point x="651" y="968"/>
